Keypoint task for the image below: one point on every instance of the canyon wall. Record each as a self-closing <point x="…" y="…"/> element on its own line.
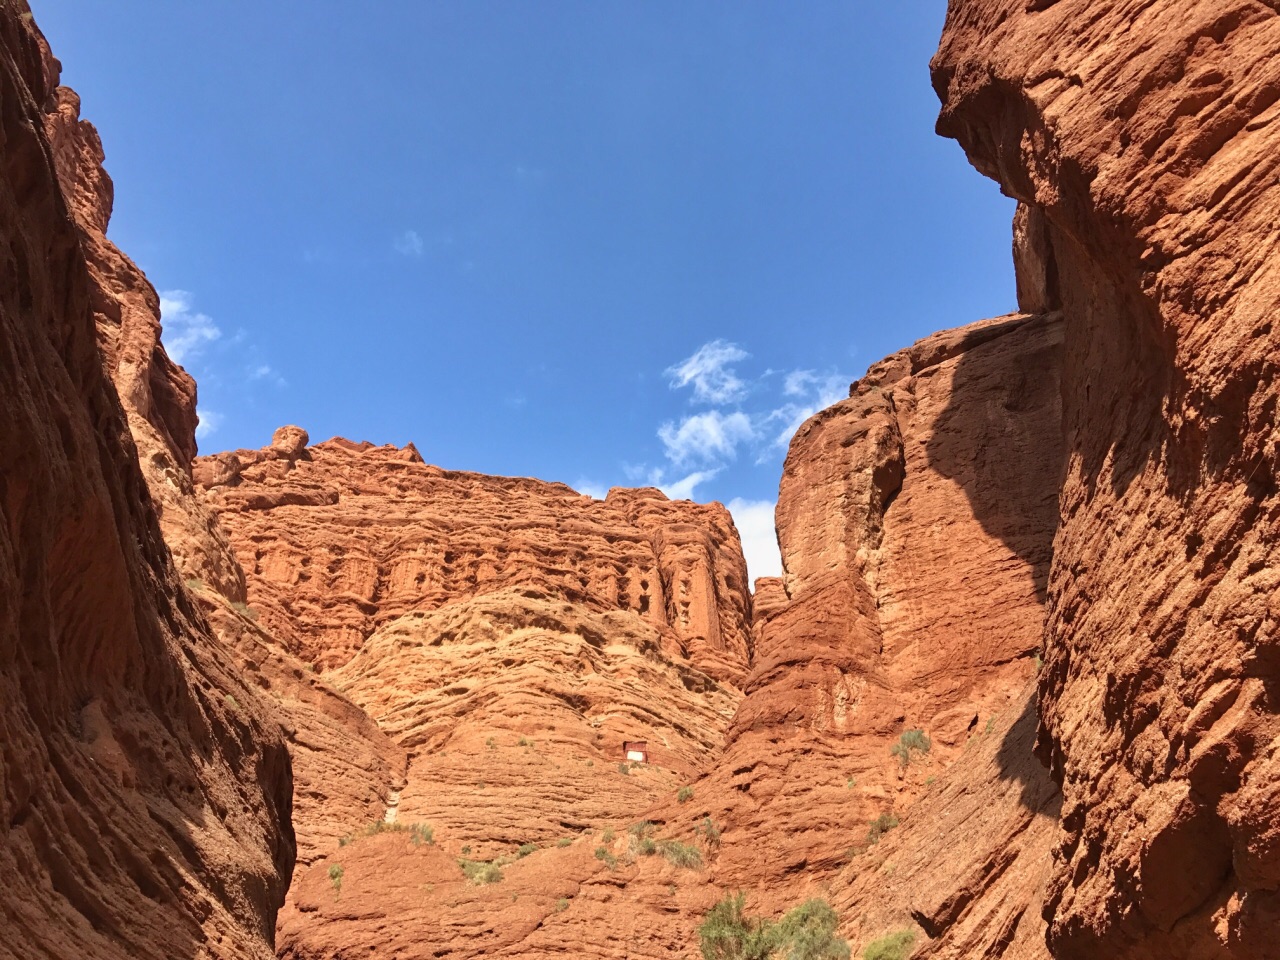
<point x="144" y="791"/>
<point x="1143" y="136"/>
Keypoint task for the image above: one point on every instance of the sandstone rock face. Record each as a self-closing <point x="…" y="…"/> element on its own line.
<point x="903" y="609"/>
<point x="505" y="637"/>
<point x="144" y="794"/>
<point x="158" y="396"/>
<point x="1148" y="136"/>
<point x="340" y="538"/>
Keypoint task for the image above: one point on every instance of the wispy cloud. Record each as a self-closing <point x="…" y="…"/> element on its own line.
<point x="706" y="437"/>
<point x="410" y="244"/>
<point x="597" y="491"/>
<point x="810" y="392"/>
<point x="710" y="372"/>
<point x="208" y="424"/>
<point x="683" y="488"/>
<point x="186" y="332"/>
<point x="754" y="520"/>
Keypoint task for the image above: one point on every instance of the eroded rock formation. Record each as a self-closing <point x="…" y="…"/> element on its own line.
<point x="144" y="792"/>
<point x="340" y="538"/>
<point x="1146" y="135"/>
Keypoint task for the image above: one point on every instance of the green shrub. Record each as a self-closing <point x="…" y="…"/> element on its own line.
<point x="709" y="833"/>
<point x="910" y="740"/>
<point x="607" y="836"/>
<point x="564" y="841"/>
<point x="808" y="932"/>
<point x="524" y="742"/>
<point x="646" y="847"/>
<point x="727" y="933"/>
<point x="466" y="850"/>
<point x="880" y="826"/>
<point x="685" y="795"/>
<point x="491" y="743"/>
<point x="335" y="877"/>
<point x="562" y="905"/>
<point x="232" y="702"/>
<point x="679" y="854"/>
<point x="624" y="769"/>
<point x="526" y="849"/>
<point x="603" y="854"/>
<point x="421" y="833"/>
<point x="480" y="872"/>
<point x="245" y="610"/>
<point x="896" y="946"/>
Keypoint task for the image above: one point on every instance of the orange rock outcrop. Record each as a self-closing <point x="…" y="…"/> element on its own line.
<point x="1145" y="136"/>
<point x="144" y="792"/>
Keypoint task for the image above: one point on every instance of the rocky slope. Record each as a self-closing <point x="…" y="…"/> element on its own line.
<point x="144" y="792"/>
<point x="904" y="608"/>
<point x="508" y="636"/>
<point x="1143" y="134"/>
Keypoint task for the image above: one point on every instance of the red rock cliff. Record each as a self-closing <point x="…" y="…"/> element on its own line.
<point x="144" y="795"/>
<point x="1144" y="136"/>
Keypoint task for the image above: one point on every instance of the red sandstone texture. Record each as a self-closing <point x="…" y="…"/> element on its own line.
<point x="512" y="694"/>
<point x="341" y="538"/>
<point x="144" y="792"/>
<point x="1147" y="135"/>
<point x="900" y="608"/>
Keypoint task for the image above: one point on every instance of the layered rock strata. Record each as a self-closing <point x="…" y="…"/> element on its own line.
<point x="1145" y="135"/>
<point x="901" y="607"/>
<point x="340" y="538"/>
<point x="144" y="792"/>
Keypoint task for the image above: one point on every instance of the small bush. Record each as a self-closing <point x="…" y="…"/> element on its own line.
<point x="195" y="585"/>
<point x="245" y="610"/>
<point x="232" y="702"/>
<point x="481" y="873"/>
<point x="607" y="836"/>
<point x="685" y="795"/>
<point x="910" y="740"/>
<point x="646" y="847"/>
<point x="524" y="742"/>
<point x="684" y="855"/>
<point x="466" y="850"/>
<point x="335" y="877"/>
<point x="421" y="833"/>
<point x="896" y="946"/>
<point x="880" y="826"/>
<point x="603" y="854"/>
<point x="624" y="769"/>
<point x="727" y="933"/>
<point x="641" y="829"/>
<point x="491" y="743"/>
<point x="526" y="849"/>
<point x="808" y="932"/>
<point x="851" y="783"/>
<point x="709" y="833"/>
<point x="564" y="841"/>
<point x="562" y="905"/>
<point x="591" y="763"/>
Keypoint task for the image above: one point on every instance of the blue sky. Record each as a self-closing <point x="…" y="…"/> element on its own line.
<point x="597" y="242"/>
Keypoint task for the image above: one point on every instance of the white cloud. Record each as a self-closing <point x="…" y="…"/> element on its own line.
<point x="754" y="520"/>
<point x="185" y="332"/>
<point x="709" y="371"/>
<point x="597" y="491"/>
<point x="813" y="392"/>
<point x="683" y="488"/>
<point x="208" y="424"/>
<point x="409" y="244"/>
<point x="706" y="437"/>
